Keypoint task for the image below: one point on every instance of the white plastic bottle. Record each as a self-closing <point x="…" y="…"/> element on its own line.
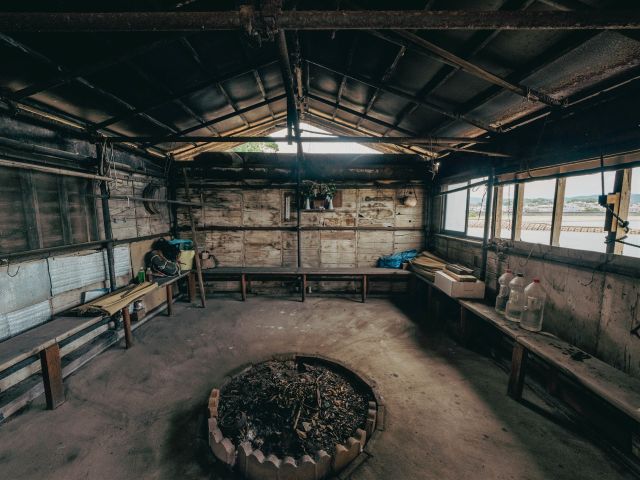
<point x="503" y="291"/>
<point x="516" y="302"/>
<point x="534" y="306"/>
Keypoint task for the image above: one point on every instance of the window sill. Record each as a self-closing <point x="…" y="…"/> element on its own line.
<point x="461" y="238"/>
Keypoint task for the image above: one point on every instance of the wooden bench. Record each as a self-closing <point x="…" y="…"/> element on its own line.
<point x="303" y="275"/>
<point x="45" y="341"/>
<point x="168" y="282"/>
<point x="615" y="387"/>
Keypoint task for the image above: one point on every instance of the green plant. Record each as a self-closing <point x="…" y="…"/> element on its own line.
<point x="309" y="189"/>
<point x="327" y="190"/>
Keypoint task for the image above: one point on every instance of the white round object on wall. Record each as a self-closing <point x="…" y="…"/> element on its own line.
<point x="410" y="201"/>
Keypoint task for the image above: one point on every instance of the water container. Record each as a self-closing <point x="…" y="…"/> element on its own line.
<point x="516" y="302"/>
<point x="503" y="292"/>
<point x="534" y="306"/>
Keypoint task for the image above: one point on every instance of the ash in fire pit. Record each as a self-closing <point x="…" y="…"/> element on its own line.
<point x="302" y="416"/>
<point x="291" y="409"/>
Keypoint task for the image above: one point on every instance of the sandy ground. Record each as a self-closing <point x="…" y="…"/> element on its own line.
<point x="141" y="413"/>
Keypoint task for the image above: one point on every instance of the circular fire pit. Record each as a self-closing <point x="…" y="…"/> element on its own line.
<point x="294" y="416"/>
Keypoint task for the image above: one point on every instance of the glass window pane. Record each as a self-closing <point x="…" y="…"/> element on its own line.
<point x="582" y="216"/>
<point x="537" y="211"/>
<point x="508" y="193"/>
<point x="634" y="216"/>
<point x="477" y="207"/>
<point x="456" y="210"/>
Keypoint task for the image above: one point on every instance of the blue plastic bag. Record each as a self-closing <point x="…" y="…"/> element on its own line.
<point x="397" y="259"/>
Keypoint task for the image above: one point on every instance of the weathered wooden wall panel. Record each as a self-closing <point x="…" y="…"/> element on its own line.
<point x="368" y="223"/>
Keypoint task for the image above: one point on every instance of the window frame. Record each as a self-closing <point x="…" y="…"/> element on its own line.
<point x="445" y="194"/>
<point x="622" y="186"/>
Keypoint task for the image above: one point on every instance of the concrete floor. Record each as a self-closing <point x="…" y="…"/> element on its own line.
<point x="140" y="413"/>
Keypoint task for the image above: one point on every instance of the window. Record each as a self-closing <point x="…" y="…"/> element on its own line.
<point x="477" y="210"/>
<point x="504" y="217"/>
<point x="537" y="211"/>
<point x="465" y="209"/>
<point x="583" y="219"/>
<point x="455" y="209"/>
<point x="634" y="216"/>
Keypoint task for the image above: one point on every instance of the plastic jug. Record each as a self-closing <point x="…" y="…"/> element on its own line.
<point x="534" y="306"/>
<point x="516" y="302"/>
<point x="503" y="291"/>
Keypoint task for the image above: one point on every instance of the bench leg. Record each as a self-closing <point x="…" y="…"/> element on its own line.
<point x="169" y="289"/>
<point x="365" y="287"/>
<point x="191" y="286"/>
<point x="430" y="304"/>
<point x="126" y="320"/>
<point x="465" y="327"/>
<point x="518" y="367"/>
<point x="52" y="376"/>
<point x="303" y="286"/>
<point x="243" y="286"/>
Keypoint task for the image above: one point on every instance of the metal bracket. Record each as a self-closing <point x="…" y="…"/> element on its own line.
<point x="261" y="25"/>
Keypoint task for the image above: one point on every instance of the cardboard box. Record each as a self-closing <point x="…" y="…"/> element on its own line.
<point x="457" y="289"/>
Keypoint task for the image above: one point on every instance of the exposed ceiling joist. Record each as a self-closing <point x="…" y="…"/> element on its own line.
<point x="320" y="20"/>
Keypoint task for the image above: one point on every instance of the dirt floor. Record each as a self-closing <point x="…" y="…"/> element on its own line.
<point x="141" y="413"/>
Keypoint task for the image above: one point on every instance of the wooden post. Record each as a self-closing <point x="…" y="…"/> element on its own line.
<point x="497" y="225"/>
<point x="465" y="327"/>
<point x="303" y="280"/>
<point x="193" y="239"/>
<point x="191" y="286"/>
<point x="518" y="203"/>
<point x="106" y="221"/>
<point x="364" y="288"/>
<point x="243" y="286"/>
<point x="169" y="289"/>
<point x="126" y="320"/>
<point x="622" y="186"/>
<point x="52" y="376"/>
<point x="518" y="367"/>
<point x="558" y="207"/>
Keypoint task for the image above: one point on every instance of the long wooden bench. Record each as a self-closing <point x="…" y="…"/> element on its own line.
<point x="303" y="276"/>
<point x="615" y="387"/>
<point x="45" y="341"/>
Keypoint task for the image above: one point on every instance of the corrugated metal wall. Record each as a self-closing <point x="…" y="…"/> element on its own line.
<point x="28" y="298"/>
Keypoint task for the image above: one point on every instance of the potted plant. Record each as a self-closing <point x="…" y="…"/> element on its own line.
<point x="308" y="190"/>
<point x="328" y="190"/>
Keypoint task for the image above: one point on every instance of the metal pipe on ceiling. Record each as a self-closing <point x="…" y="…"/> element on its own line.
<point x="54" y="170"/>
<point x="320" y="20"/>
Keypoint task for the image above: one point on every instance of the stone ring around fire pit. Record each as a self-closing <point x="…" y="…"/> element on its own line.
<point x="253" y="464"/>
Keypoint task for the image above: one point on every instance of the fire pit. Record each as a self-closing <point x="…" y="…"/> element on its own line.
<point x="294" y="416"/>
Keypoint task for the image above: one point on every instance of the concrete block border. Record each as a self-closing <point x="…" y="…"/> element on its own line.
<point x="253" y="464"/>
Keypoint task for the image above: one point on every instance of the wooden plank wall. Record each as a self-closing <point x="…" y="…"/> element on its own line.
<point x="369" y="223"/>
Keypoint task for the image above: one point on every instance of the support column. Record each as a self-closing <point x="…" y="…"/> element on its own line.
<point x="518" y="367"/>
<point x="126" y="320"/>
<point x="106" y="221"/>
<point x="191" y="286"/>
<point x="52" y="376"/>
<point x="169" y="289"/>
<point x="293" y="122"/>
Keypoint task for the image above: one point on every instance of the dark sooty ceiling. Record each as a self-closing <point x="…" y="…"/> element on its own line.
<point x="353" y="82"/>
